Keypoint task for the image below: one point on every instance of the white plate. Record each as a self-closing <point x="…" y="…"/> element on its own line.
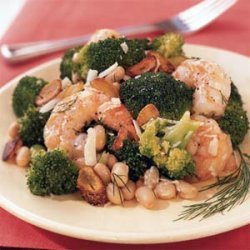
<point x="70" y="215"/>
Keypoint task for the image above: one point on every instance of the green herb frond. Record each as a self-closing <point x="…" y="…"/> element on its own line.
<point x="233" y="190"/>
<point x="119" y="189"/>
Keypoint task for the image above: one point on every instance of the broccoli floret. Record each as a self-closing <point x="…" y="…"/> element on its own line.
<point x="31" y="126"/>
<point x="131" y="155"/>
<point x="68" y="66"/>
<point x="177" y="165"/>
<point x="149" y="142"/>
<point x="102" y="54"/>
<point x="169" y="45"/>
<point x="171" y="97"/>
<point x="36" y="150"/>
<point x="180" y="133"/>
<point x="235" y="121"/>
<point x="25" y="94"/>
<point x="160" y="135"/>
<point x="164" y="143"/>
<point x="235" y="96"/>
<point x="52" y="173"/>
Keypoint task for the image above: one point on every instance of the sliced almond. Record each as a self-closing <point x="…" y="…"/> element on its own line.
<point x="104" y="86"/>
<point x="48" y="92"/>
<point x="91" y="186"/>
<point x="164" y="65"/>
<point x="70" y="90"/>
<point x="147" y="113"/>
<point x="65" y="104"/>
<point x="11" y="148"/>
<point x="145" y="65"/>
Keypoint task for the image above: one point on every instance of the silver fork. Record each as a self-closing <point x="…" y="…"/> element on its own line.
<point x="186" y="22"/>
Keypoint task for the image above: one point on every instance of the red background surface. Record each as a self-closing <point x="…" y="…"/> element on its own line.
<point x="53" y="19"/>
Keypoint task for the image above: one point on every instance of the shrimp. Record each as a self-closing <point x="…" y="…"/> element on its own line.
<point x="116" y="116"/>
<point x="211" y="149"/>
<point x="212" y="85"/>
<point x="70" y="115"/>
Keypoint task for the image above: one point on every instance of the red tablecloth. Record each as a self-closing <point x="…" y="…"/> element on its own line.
<point x="52" y="19"/>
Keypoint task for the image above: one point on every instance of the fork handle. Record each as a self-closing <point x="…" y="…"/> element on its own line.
<point x="21" y="52"/>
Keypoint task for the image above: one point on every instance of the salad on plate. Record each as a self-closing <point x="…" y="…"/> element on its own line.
<point x="133" y="119"/>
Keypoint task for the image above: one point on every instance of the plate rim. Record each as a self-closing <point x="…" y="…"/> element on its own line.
<point x="118" y="237"/>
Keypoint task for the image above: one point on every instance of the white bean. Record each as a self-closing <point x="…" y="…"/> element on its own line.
<point x="151" y="177"/>
<point x="145" y="196"/>
<point x="80" y="162"/>
<point x="119" y="174"/>
<point x="186" y="190"/>
<point x="117" y="85"/>
<point x="100" y="137"/>
<point x="98" y="157"/>
<point x="129" y="191"/>
<point x="102" y="157"/>
<point x="111" y="161"/>
<point x="114" y="195"/>
<point x="23" y="156"/>
<point x="139" y="183"/>
<point x="165" y="190"/>
<point x="103" y="171"/>
<point x="13" y="129"/>
<point x="117" y="75"/>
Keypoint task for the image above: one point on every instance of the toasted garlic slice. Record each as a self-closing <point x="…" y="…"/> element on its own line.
<point x="145" y="65"/>
<point x="48" y="92"/>
<point x="148" y="112"/>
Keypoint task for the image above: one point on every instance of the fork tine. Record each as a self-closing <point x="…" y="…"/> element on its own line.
<point x="200" y="16"/>
<point x="207" y="16"/>
<point x="214" y="9"/>
<point x="203" y="11"/>
<point x="195" y="9"/>
<point x="186" y="22"/>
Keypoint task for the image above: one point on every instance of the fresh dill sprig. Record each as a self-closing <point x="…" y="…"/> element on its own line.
<point x="119" y="189"/>
<point x="232" y="191"/>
